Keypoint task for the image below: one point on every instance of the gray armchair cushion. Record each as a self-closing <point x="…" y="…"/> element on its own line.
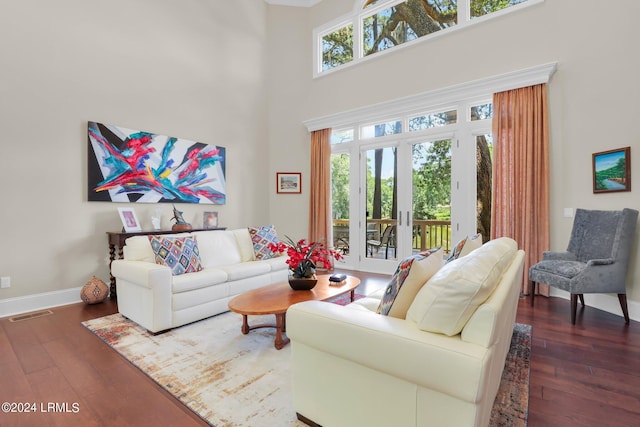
<point x="566" y="269"/>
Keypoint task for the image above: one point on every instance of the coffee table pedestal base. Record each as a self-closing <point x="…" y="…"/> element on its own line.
<point x="280" y="327"/>
<point x="277" y="298"/>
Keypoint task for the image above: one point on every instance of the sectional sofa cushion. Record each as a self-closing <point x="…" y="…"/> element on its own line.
<point x="410" y="275"/>
<point x="201" y="279"/>
<point x="447" y="301"/>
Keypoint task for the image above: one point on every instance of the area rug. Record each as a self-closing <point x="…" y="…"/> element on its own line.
<point x="230" y="379"/>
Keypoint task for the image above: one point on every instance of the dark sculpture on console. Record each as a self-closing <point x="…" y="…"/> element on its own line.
<point x="181" y="224"/>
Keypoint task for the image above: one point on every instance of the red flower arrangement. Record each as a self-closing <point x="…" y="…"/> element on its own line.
<point x="304" y="257"/>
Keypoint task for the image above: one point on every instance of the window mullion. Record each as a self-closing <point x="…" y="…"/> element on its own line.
<point x="464" y="12"/>
<point x="357" y="38"/>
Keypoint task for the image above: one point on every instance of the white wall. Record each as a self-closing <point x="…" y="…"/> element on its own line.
<point x="192" y="69"/>
<point x="289" y="80"/>
<point x="593" y="95"/>
<point x="173" y="68"/>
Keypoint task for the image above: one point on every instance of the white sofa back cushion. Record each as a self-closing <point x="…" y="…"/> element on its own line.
<point x="138" y="248"/>
<point x="245" y="245"/>
<point x="449" y="299"/>
<point x="218" y="248"/>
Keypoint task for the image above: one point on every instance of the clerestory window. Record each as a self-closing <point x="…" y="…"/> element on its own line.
<point x="376" y="26"/>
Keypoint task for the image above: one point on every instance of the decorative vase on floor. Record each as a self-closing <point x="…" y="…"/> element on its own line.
<point x="302" y="283"/>
<point x="94" y="291"/>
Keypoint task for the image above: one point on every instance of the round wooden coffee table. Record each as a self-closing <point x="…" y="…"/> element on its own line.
<point x="276" y="299"/>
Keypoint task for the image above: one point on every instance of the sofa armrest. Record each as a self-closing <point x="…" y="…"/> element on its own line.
<point x="390" y="345"/>
<point x="141" y="273"/>
<point x="144" y="293"/>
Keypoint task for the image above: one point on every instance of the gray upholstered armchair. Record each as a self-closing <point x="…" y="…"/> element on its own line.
<point x="595" y="260"/>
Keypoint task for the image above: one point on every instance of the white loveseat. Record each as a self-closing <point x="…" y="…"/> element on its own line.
<point x="354" y="367"/>
<point x="150" y="295"/>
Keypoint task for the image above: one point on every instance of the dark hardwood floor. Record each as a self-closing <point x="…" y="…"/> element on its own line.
<point x="583" y="375"/>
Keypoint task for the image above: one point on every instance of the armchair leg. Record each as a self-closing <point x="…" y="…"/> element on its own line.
<point x="581" y="296"/>
<point x="623" y="303"/>
<point x="574" y="307"/>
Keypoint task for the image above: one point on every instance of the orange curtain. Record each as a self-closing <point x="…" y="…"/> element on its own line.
<point x="320" y="187"/>
<point x="520" y="203"/>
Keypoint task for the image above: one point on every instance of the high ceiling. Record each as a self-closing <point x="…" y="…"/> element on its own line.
<point x="297" y="3"/>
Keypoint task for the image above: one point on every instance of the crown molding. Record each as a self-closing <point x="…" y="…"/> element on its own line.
<point x="489" y="85"/>
<point x="294" y="3"/>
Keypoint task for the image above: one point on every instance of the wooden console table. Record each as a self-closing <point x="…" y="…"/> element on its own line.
<point x="117" y="239"/>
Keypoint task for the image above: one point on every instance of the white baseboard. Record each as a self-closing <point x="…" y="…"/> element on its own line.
<point x="604" y="302"/>
<point x="26" y="304"/>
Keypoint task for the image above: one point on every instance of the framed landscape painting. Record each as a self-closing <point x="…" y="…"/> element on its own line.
<point x="289" y="182"/>
<point x="612" y="170"/>
<point x="133" y="166"/>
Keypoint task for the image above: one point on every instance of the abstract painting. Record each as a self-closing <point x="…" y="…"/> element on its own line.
<point x="141" y="167"/>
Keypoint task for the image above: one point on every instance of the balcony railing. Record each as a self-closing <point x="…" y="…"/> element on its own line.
<point x="427" y="233"/>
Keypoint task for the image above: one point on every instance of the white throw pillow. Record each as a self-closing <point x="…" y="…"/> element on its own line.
<point x="465" y="247"/>
<point x="245" y="245"/>
<point x="138" y="248"/>
<point x="449" y="299"/>
<point x="472" y="243"/>
<point x="411" y="274"/>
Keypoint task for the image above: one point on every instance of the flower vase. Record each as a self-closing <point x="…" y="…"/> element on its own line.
<point x="302" y="283"/>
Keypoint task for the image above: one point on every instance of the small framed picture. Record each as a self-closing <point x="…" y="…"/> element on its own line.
<point x="210" y="220"/>
<point x="289" y="182"/>
<point x="612" y="170"/>
<point x="129" y="220"/>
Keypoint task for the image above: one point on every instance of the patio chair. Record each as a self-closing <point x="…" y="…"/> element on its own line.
<point x="387" y="240"/>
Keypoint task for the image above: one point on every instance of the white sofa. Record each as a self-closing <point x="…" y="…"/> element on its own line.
<point x="354" y="367"/>
<point x="150" y="295"/>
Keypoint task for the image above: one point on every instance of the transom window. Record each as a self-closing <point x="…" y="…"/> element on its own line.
<point x="381" y="129"/>
<point x="410" y="123"/>
<point x="404" y="22"/>
<point x="426" y="121"/>
<point x="379" y="25"/>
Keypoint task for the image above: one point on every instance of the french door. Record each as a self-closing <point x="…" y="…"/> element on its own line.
<point x="406" y="202"/>
<point x="406" y="185"/>
<point x="381" y="243"/>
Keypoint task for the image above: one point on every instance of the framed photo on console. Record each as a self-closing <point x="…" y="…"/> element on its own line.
<point x="289" y="182"/>
<point x="210" y="220"/>
<point x="129" y="220"/>
<point x="612" y="170"/>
